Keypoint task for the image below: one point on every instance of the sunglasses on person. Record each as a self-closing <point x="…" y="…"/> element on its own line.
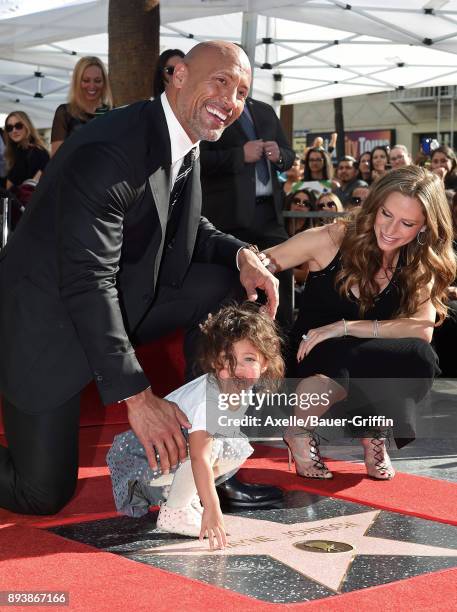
<point x="355" y="200"/>
<point x="299" y="202"/>
<point x="169" y="70"/>
<point x="9" y="127"/>
<point x="327" y="204"/>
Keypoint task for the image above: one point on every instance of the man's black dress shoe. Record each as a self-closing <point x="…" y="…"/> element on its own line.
<point x="237" y="493"/>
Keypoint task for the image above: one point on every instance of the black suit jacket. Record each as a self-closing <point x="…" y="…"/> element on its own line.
<point x="79" y="273"/>
<point x="228" y="182"/>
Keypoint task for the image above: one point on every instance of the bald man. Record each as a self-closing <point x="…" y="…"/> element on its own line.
<point x="113" y="251"/>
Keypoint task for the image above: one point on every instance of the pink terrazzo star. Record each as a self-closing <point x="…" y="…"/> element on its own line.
<point x="249" y="536"/>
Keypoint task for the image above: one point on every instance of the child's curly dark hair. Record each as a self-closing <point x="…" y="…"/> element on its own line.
<point x="241" y="322"/>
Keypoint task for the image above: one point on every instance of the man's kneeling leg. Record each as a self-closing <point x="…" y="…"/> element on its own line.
<point x="39" y="469"/>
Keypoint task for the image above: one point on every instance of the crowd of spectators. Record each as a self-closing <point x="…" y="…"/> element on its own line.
<point x="350" y="179"/>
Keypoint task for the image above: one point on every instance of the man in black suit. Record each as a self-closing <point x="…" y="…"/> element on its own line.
<point x="241" y="191"/>
<point x="111" y="249"/>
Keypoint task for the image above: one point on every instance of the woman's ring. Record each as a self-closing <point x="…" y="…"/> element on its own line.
<point x="305" y="337"/>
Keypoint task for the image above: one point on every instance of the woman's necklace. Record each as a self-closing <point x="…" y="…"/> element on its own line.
<point x="384" y="274"/>
<point x="387" y="271"/>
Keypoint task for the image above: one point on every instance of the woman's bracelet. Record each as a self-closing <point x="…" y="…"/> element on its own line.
<point x="375" y="328"/>
<point x="345" y="325"/>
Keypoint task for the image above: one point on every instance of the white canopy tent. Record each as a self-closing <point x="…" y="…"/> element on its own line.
<point x="304" y="50"/>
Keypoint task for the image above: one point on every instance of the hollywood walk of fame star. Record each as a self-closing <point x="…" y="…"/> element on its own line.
<point x="250" y="536"/>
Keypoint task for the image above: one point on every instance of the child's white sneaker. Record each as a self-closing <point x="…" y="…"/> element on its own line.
<point x="194" y="502"/>
<point x="184" y="521"/>
<point x="196" y="505"/>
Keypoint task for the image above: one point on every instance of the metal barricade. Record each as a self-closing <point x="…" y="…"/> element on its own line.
<point x="298" y="214"/>
<point x="313" y="214"/>
<point x="6" y="221"/>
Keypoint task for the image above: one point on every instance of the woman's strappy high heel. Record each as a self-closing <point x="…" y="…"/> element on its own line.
<point x="377" y="461"/>
<point x="303" y="447"/>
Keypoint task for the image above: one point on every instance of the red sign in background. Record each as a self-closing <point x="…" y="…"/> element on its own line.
<point x="357" y="142"/>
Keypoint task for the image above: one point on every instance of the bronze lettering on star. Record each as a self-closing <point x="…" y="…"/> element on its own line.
<point x="291" y="534"/>
<point x="321" y="529"/>
<point x="249" y="541"/>
<point x="323" y="546"/>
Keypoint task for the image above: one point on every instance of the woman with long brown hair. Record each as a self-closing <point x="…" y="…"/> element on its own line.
<point x="90" y="95"/>
<point x="164" y="70"/>
<point x="25" y="152"/>
<point x="364" y="166"/>
<point x="443" y="162"/>
<point x="318" y="165"/>
<point x="302" y="200"/>
<point x="379" y="162"/>
<point x="376" y="286"/>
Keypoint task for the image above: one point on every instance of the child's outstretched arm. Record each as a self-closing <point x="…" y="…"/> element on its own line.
<point x="200" y="446"/>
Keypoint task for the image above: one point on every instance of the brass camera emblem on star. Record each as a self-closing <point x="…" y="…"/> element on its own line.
<point x="323" y="546"/>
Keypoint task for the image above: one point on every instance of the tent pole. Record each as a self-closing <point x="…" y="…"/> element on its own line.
<point x="277" y="78"/>
<point x="339" y="127"/>
<point x="438" y="116"/>
<point x="249" y="39"/>
<point x="451" y="144"/>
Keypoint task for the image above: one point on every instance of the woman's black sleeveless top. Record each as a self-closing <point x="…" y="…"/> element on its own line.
<point x="321" y="303"/>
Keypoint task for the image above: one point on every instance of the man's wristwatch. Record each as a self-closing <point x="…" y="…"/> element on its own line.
<point x="252" y="247"/>
<point x="264" y="259"/>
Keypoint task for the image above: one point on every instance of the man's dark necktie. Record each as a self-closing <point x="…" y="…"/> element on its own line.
<point x="261" y="166"/>
<point x="180" y="181"/>
<point x="176" y="193"/>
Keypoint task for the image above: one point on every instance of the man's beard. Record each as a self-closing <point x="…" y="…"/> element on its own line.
<point x="205" y="133"/>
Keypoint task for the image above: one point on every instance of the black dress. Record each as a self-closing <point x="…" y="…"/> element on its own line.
<point x="64" y="123"/>
<point x="27" y="163"/>
<point x="383" y="376"/>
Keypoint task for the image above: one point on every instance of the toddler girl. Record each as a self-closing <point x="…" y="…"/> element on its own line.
<point x="240" y="348"/>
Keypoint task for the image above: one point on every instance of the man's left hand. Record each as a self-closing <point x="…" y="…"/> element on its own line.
<point x="271" y="150"/>
<point x="254" y="275"/>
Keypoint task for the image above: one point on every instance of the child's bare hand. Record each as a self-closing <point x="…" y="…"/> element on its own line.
<point x="213" y="528"/>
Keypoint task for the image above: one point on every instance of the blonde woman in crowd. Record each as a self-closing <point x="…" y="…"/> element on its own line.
<point x="328" y="202"/>
<point x="90" y="95"/>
